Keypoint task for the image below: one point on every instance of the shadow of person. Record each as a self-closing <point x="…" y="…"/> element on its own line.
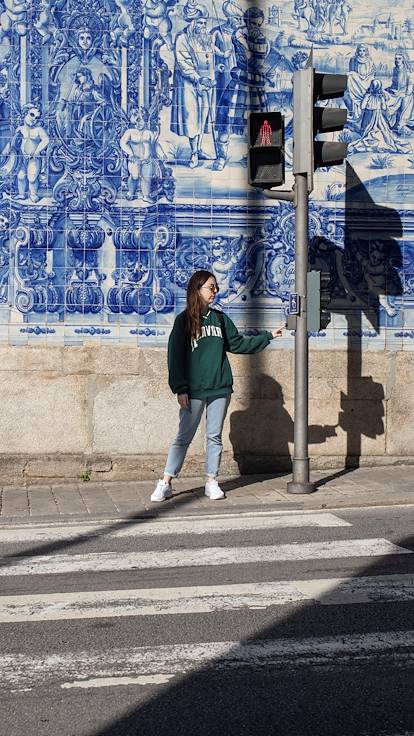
<point x="260" y="434"/>
<point x="361" y="265"/>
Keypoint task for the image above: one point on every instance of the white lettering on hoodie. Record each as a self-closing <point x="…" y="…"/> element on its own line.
<point x="206" y="331"/>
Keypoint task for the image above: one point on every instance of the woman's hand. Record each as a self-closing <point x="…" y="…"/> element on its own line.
<point x="183" y="401"/>
<point x="278" y="331"/>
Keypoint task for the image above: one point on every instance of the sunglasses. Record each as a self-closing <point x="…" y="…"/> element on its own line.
<point x="213" y="289"/>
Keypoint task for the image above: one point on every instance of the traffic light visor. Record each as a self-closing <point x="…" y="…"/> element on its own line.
<point x="330" y="153"/>
<point x="329" y="119"/>
<point x="329" y="86"/>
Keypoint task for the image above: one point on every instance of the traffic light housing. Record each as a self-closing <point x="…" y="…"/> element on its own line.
<point x="266" y="140"/>
<point x="310" y="119"/>
<point x="318" y="299"/>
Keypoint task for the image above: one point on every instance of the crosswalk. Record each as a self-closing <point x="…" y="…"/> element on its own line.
<point x="231" y="588"/>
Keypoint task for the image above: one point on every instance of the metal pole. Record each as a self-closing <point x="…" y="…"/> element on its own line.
<point x="300" y="482"/>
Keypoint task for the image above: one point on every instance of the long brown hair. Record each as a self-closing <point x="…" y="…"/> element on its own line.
<point x="194" y="303"/>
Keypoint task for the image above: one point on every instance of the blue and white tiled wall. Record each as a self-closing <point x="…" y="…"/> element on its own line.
<point x="123" y="166"/>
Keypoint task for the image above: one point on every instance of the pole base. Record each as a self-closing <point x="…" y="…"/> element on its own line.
<point x="300" y="487"/>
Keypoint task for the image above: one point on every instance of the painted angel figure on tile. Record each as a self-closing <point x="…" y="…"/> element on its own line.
<point x="13" y="17"/>
<point x="25" y="154"/>
<point x="123" y="26"/>
<point x="144" y="154"/>
<point x="46" y="23"/>
<point x="157" y="21"/>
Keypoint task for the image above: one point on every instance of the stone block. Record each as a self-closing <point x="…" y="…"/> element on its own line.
<point x="262" y="426"/>
<point x="135" y="415"/>
<point x="96" y="500"/>
<point x="55" y="466"/>
<point x="136" y="467"/>
<point x="12" y="468"/>
<point x="400" y="407"/>
<point x="103" y="360"/>
<point x="100" y="465"/>
<point x="154" y="363"/>
<point x="43" y="414"/>
<point x="350" y="428"/>
<point x="260" y="386"/>
<point x="354" y="374"/>
<point x="25" y="358"/>
<point x="276" y="364"/>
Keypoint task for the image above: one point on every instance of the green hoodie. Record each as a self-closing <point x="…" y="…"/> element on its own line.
<point x="200" y="368"/>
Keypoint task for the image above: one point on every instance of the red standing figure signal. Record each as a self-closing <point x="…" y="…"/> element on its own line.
<point x="265" y="134"/>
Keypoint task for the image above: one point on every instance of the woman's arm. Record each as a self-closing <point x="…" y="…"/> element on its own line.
<point x="177" y="347"/>
<point x="239" y="344"/>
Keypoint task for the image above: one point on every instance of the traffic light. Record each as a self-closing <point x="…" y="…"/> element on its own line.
<point x="318" y="299"/>
<point x="310" y="119"/>
<point x="266" y="140"/>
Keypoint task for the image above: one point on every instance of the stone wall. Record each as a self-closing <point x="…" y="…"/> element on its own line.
<point x="105" y="413"/>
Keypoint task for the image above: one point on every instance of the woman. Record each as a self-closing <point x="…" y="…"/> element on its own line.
<point x="200" y="375"/>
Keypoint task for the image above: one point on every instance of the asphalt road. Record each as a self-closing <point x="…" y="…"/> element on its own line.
<point x="249" y="623"/>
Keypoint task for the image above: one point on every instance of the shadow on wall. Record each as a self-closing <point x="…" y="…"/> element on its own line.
<point x="363" y="283"/>
<point x="261" y="433"/>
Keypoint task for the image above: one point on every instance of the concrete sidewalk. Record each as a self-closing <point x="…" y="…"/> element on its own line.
<point x="379" y="486"/>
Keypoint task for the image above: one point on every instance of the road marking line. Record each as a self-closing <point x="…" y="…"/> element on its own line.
<point x="205" y="556"/>
<point x="330" y="652"/>
<point x="141" y="528"/>
<point x="204" y="599"/>
<point x="116" y="681"/>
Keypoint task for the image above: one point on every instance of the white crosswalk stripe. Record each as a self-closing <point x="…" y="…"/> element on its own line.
<point x="194" y="525"/>
<point x="205" y="557"/>
<point x="159" y="663"/>
<point x="167" y="661"/>
<point x="204" y="599"/>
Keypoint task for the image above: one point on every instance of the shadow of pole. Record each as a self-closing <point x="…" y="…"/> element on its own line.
<point x="372" y="257"/>
<point x="364" y="281"/>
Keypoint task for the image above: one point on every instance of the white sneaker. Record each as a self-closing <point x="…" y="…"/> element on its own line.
<point x="213" y="490"/>
<point x="162" y="492"/>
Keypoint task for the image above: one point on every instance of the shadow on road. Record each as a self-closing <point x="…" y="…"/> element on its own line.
<point x="361" y="684"/>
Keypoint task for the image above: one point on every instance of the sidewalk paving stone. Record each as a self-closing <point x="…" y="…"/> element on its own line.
<point x="123" y="499"/>
<point x="68" y="499"/>
<point x="15" y="502"/>
<point x="42" y="502"/>
<point x="97" y="500"/>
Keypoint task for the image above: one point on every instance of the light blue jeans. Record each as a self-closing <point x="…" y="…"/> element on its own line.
<point x="216" y="410"/>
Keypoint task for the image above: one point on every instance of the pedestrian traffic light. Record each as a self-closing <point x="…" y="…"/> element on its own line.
<point x="311" y="119"/>
<point x="266" y="139"/>
<point x="318" y="299"/>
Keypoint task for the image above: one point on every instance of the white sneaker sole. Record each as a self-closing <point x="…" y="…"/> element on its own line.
<point x="213" y="497"/>
<point x="160" y="500"/>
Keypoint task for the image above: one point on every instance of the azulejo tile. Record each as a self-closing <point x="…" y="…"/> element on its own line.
<point x="123" y="165"/>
